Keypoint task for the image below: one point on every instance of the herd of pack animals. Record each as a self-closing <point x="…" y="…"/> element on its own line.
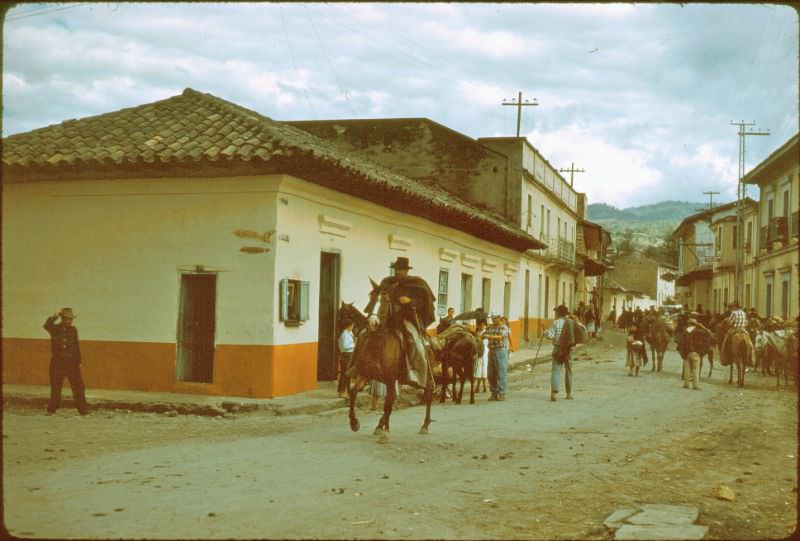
<point x="378" y="356"/>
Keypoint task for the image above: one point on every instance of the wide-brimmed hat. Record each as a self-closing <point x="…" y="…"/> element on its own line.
<point x="561" y="310"/>
<point x="401" y="263"/>
<point x="67" y="313"/>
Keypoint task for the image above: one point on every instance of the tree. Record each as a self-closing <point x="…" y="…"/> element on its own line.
<point x="626" y="244"/>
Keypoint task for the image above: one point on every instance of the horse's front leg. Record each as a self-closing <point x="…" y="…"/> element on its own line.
<point x="428" y="399"/>
<point x="462" y="377"/>
<point x="472" y="388"/>
<point x="382" y="429"/>
<point x="355" y="387"/>
<point x="710" y="361"/>
<point x="443" y="397"/>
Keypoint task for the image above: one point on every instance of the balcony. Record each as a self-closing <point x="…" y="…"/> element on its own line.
<point x="558" y="251"/>
<point x="795" y="232"/>
<point x="775" y="235"/>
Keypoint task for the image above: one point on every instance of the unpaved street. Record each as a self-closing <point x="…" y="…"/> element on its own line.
<point x="525" y="468"/>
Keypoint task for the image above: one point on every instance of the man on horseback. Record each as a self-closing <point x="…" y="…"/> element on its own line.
<point x="407" y="305"/>
<point x="736" y="322"/>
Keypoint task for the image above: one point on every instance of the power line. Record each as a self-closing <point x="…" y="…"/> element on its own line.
<point x="35" y="13"/>
<point x="294" y="63"/>
<point x="413" y="57"/>
<point x="330" y="64"/>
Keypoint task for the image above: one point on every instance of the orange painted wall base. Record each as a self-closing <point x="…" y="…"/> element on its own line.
<point x="239" y="370"/>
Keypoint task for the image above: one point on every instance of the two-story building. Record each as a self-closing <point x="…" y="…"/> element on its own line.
<point x="696" y="254"/>
<point x="506" y="176"/>
<point x="733" y="261"/>
<point x="776" y="231"/>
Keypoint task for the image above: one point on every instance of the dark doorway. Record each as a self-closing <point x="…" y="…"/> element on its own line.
<point x="196" y="323"/>
<point x="328" y="304"/>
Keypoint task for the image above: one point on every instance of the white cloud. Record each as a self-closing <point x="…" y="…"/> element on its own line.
<point x="493" y="44"/>
<point x="718" y="166"/>
<point x="613" y="174"/>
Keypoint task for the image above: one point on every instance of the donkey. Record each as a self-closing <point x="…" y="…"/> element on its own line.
<point x="458" y="347"/>
<point x="379" y="355"/>
<point x="658" y="333"/>
<point x="738" y="352"/>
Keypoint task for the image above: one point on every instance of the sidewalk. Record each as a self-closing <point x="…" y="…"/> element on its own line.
<point x="323" y="398"/>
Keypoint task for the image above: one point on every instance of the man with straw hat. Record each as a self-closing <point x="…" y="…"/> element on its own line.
<point x="65" y="360"/>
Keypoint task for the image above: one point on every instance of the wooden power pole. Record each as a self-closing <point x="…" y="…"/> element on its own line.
<point x="519" y="105"/>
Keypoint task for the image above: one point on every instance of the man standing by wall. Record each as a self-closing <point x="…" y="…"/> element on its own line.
<point x="65" y="360"/>
<point x="498" y="357"/>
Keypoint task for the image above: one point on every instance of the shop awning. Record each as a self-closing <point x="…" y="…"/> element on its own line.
<point x="694" y="275"/>
<point x="592" y="267"/>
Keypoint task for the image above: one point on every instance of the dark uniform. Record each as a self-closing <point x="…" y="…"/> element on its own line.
<point x="65" y="361"/>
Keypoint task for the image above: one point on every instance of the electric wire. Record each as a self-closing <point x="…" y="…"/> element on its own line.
<point x="294" y="63"/>
<point x="36" y="13"/>
<point x="328" y="60"/>
<point x="414" y="58"/>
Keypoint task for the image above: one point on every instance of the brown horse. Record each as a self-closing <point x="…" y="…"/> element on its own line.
<point x="458" y="347"/>
<point x="738" y="352"/>
<point x="379" y="355"/>
<point x="658" y="333"/>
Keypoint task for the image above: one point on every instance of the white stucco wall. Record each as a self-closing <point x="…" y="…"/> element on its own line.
<point x="112" y="250"/>
<point x="368" y="238"/>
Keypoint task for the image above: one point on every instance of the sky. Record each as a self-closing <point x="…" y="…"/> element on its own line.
<point x="639" y="96"/>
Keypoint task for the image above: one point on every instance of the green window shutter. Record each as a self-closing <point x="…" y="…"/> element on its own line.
<point x="303" y="301"/>
<point x="284" y="302"/>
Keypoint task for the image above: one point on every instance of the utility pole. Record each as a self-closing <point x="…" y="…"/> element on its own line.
<point x="571" y="171"/>
<point x="519" y="105"/>
<point x="710" y="199"/>
<point x="741" y="194"/>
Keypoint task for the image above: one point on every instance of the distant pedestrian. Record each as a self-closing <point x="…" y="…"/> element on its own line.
<point x="482" y="362"/>
<point x="562" y="333"/>
<point x="590" y="321"/>
<point x="347" y="343"/>
<point x="498" y="358"/>
<point x="65" y="360"/>
<point x="694" y="341"/>
<point x="446" y="321"/>
<point x="635" y="351"/>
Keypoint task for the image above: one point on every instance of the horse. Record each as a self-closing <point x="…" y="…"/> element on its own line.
<point x="763" y="353"/>
<point x="710" y="354"/>
<point x="738" y="352"/>
<point x="458" y="347"/>
<point x="658" y="333"/>
<point x="780" y="347"/>
<point x="379" y="355"/>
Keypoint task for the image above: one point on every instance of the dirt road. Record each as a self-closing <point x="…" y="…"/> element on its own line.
<point x="525" y="468"/>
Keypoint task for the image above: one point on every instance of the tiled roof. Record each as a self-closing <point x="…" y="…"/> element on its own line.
<point x="195" y="129"/>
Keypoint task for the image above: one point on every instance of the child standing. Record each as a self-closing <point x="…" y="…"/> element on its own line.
<point x="347" y="344"/>
<point x="482" y="363"/>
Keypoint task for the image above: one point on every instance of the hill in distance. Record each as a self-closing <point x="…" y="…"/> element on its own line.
<point x="663" y="211"/>
<point x="648" y="224"/>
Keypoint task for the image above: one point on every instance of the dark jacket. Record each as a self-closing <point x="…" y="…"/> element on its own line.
<point x="417" y="290"/>
<point x="63" y="341"/>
